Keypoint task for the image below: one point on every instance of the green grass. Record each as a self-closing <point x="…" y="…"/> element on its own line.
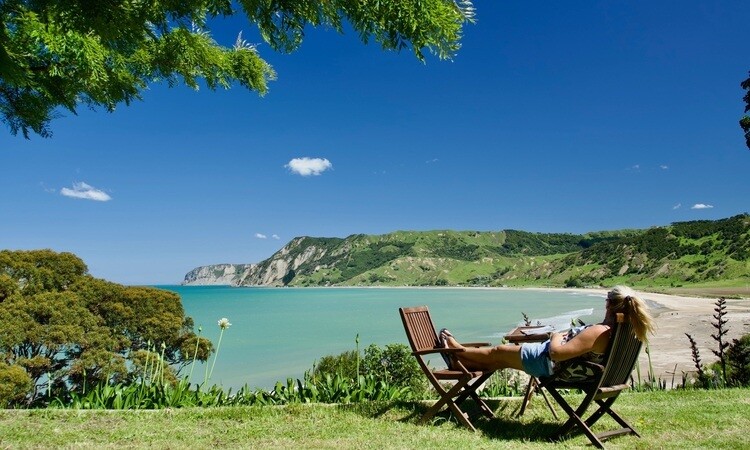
<point x="666" y="419"/>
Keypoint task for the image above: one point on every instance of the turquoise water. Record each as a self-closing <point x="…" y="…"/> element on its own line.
<point x="280" y="332"/>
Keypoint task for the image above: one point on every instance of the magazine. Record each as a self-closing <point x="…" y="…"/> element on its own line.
<point x="544" y="329"/>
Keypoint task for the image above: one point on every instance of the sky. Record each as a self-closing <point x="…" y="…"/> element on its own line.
<point x="553" y="117"/>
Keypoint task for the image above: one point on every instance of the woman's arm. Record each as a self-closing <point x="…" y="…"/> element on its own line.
<point x="594" y="338"/>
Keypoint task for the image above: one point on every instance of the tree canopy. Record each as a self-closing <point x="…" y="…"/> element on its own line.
<point x="745" y="121"/>
<point x="63" y="54"/>
<point x="61" y="328"/>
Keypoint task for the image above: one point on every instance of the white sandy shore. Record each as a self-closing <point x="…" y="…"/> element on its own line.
<point x="677" y="315"/>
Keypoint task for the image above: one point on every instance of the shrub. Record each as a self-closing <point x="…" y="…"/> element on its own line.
<point x="15" y="385"/>
<point x="738" y="359"/>
<point x="573" y="282"/>
<point x="343" y="364"/>
<point x="395" y="365"/>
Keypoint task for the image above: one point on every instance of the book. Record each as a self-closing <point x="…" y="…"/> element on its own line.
<point x="545" y="329"/>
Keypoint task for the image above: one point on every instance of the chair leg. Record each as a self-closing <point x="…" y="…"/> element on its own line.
<point x="471" y="391"/>
<point x="574" y="417"/>
<point x="486" y="410"/>
<point x="461" y="416"/>
<point x="447" y="398"/>
<point x="605" y="406"/>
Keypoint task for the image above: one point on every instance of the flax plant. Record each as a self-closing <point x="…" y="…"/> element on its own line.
<point x="696" y="356"/>
<point x="720" y="336"/>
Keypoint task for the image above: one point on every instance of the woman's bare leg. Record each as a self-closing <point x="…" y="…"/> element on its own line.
<point x="488" y="358"/>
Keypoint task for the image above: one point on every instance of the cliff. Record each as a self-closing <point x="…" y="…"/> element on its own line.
<point x="217" y="274"/>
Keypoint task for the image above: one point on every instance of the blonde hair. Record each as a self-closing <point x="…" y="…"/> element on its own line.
<point x="622" y="299"/>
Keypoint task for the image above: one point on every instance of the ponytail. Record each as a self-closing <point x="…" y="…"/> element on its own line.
<point x="623" y="299"/>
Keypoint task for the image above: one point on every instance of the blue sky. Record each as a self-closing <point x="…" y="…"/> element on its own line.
<point x="553" y="117"/>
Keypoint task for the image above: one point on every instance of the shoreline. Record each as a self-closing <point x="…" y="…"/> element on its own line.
<point x="674" y="315"/>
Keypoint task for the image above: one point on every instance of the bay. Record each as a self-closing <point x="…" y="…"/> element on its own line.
<point x="278" y="333"/>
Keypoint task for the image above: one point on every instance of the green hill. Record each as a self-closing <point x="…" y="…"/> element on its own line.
<point x="697" y="253"/>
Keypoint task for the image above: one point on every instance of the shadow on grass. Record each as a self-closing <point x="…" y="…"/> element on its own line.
<point x="506" y="425"/>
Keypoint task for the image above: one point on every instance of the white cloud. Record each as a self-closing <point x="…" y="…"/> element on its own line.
<point x="677" y="206"/>
<point x="431" y="161"/>
<point x="260" y="236"/>
<point x="664" y="167"/>
<point x="275" y="236"/>
<point x="701" y="206"/>
<point x="86" y="192"/>
<point x="308" y="166"/>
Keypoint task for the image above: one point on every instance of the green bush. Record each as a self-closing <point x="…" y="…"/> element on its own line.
<point x="344" y="364"/>
<point x="738" y="360"/>
<point x="395" y="365"/>
<point x="15" y="385"/>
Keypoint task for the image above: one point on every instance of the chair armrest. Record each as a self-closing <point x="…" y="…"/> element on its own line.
<point x="438" y="350"/>
<point x="477" y="344"/>
<point x="459" y="366"/>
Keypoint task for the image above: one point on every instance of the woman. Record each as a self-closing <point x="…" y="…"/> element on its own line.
<point x="538" y="359"/>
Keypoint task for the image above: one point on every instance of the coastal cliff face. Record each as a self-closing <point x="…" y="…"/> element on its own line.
<point x="278" y="270"/>
<point x="217" y="274"/>
<point x="281" y="268"/>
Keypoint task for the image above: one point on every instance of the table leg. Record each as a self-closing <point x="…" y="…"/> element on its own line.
<point x="527" y="395"/>
<point x="532" y="386"/>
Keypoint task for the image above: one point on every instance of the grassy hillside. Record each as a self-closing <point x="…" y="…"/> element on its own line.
<point x="685" y="253"/>
<point x="698" y="253"/>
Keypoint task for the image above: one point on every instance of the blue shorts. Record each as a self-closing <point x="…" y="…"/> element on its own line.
<point x="535" y="359"/>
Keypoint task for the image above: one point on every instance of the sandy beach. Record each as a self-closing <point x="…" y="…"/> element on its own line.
<point x="676" y="315"/>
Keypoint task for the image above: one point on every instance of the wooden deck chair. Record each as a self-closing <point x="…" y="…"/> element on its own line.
<point x="602" y="388"/>
<point x="424" y="341"/>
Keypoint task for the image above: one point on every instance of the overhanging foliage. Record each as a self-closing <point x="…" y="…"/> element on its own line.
<point x="100" y="54"/>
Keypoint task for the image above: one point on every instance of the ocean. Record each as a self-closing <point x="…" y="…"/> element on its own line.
<point x="277" y="333"/>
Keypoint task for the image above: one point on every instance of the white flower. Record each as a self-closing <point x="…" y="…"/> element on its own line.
<point x="224" y="323"/>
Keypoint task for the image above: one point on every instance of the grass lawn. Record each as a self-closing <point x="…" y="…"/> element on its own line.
<point x="666" y="419"/>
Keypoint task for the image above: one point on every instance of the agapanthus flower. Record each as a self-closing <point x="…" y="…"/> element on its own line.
<point x="224" y="323"/>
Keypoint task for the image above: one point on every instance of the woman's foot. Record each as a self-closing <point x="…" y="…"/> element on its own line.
<point x="447" y="341"/>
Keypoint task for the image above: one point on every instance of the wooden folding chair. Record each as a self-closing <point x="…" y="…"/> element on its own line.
<point x="603" y="388"/>
<point x="424" y="341"/>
